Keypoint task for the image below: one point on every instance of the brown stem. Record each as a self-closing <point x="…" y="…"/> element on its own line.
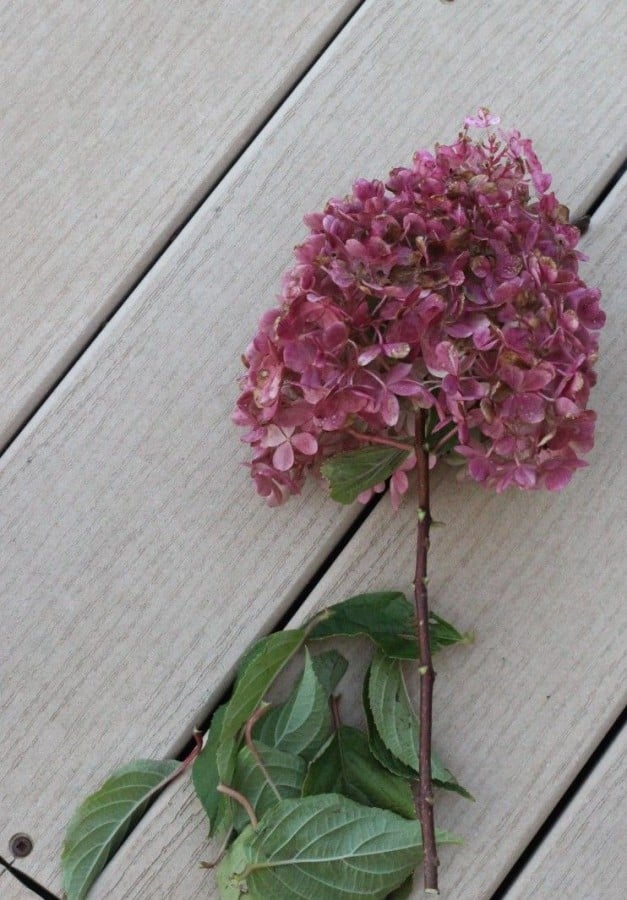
<point x="242" y="800"/>
<point x="211" y="864"/>
<point x="183" y="767"/>
<point x="374" y="439"/>
<point x="427" y="673"/>
<point x="248" y="737"/>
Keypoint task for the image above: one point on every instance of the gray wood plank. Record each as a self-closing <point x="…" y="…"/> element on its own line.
<point x="116" y="119"/>
<point x="137" y="563"/>
<point x="584" y="855"/>
<point x="541" y="580"/>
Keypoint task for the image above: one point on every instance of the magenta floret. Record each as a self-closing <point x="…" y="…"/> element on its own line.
<point x="454" y="286"/>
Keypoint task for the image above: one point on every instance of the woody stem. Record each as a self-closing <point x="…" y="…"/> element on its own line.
<point x="427" y="673"/>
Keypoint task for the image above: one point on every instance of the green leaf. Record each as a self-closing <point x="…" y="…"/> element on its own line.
<point x="105" y="818"/>
<point x="321" y="847"/>
<point x="234" y="861"/>
<point x="394" y="719"/>
<point x="387" y="618"/>
<point x="205" y="776"/>
<point x="330" y="667"/>
<point x="446" y="780"/>
<point x="442" y="634"/>
<point x="355" y="471"/>
<point x="261" y="666"/>
<point x="346" y="766"/>
<point x="378" y="748"/>
<point x="303" y="723"/>
<point x="286" y="771"/>
<point x="392" y="711"/>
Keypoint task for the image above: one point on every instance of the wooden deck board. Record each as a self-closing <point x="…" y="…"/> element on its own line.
<point x="116" y="118"/>
<point x="137" y="564"/>
<point x="541" y="580"/>
<point x="584" y="854"/>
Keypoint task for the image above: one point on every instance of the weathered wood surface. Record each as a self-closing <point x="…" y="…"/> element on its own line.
<point x="138" y="564"/>
<point x="584" y="854"/>
<point x="540" y="578"/>
<point x="116" y="119"/>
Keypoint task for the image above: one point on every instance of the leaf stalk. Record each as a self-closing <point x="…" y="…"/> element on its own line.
<point x="242" y="800"/>
<point x="378" y="439"/>
<point x="250" y="743"/>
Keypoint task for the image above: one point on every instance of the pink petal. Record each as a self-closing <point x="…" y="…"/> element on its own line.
<point x="446" y="356"/>
<point x="335" y="336"/>
<point x="292" y="416"/>
<point x="283" y="458"/>
<point x="566" y="407"/>
<point x="407" y="389"/>
<point x="398" y="487"/>
<point x="530" y="408"/>
<point x="367" y="355"/>
<point x="483" y="119"/>
<point x="398" y="373"/>
<point x="355" y="248"/>
<point x="274" y="436"/>
<point x="525" y="477"/>
<point x="557" y="479"/>
<point x="306" y="443"/>
<point x="479" y="468"/>
<point x="298" y="355"/>
<point x="398" y="350"/>
<point x="389" y="409"/>
<point x="471" y="389"/>
<point x="460" y="329"/>
<point x="538" y="378"/>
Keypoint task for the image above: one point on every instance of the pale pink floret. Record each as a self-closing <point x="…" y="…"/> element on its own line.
<point x="453" y="286"/>
<point x="284" y="442"/>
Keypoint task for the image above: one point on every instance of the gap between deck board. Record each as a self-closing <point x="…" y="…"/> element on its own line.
<point x="584" y="854"/>
<point x="98" y="321"/>
<point x="562" y="809"/>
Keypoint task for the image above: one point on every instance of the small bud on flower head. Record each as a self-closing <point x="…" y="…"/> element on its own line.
<point x="453" y="287"/>
<point x="483" y="119"/>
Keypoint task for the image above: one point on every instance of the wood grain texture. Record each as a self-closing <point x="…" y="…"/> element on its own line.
<point x="540" y="578"/>
<point x="116" y="119"/>
<point x="137" y="563"/>
<point x="584" y="855"/>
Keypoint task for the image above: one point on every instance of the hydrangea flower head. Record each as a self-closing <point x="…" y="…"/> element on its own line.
<point x="454" y="287"/>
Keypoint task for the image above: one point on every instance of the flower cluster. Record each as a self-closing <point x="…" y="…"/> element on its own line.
<point x="454" y="286"/>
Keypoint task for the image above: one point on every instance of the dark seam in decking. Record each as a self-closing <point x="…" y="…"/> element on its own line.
<point x="27" y="880"/>
<point x="577" y="784"/>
